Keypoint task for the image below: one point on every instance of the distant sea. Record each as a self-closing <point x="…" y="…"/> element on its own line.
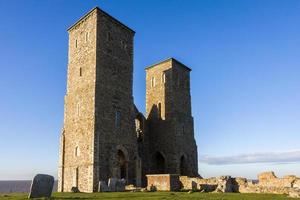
<point x="18" y="186"/>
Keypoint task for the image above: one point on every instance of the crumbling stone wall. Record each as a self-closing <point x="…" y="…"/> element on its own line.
<point x="267" y="183"/>
<point x="268" y="179"/>
<point x="168" y="113"/>
<point x="163" y="182"/>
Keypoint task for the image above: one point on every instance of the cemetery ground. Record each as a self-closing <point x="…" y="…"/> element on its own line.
<point x="154" y="196"/>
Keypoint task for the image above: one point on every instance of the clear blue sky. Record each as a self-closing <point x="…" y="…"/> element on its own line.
<point x="245" y="57"/>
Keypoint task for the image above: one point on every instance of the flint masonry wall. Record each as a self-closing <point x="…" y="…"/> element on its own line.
<point x="168" y="112"/>
<point x="77" y="156"/>
<point x="99" y="110"/>
<point x="104" y="135"/>
<point x="267" y="183"/>
<point x="114" y="108"/>
<point x="268" y="179"/>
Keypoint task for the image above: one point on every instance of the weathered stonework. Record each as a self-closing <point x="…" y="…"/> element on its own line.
<point x="104" y="135"/>
<point x="267" y="183"/>
<point x="163" y="182"/>
<point x="168" y="111"/>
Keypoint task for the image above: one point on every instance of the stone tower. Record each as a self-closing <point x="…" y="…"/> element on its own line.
<point x="168" y="113"/>
<point x="98" y="140"/>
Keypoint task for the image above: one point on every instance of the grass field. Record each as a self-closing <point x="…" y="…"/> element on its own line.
<point x="155" y="195"/>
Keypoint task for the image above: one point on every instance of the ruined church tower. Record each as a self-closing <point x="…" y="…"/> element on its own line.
<point x="168" y="112"/>
<point x="104" y="134"/>
<point x="98" y="139"/>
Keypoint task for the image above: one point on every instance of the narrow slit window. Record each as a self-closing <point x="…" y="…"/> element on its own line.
<point x="78" y="109"/>
<point x="80" y="71"/>
<point x="76" y="43"/>
<point x="153" y="82"/>
<point x="77" y="151"/>
<point x="87" y="36"/>
<point x="163" y="78"/>
<point x="118" y="119"/>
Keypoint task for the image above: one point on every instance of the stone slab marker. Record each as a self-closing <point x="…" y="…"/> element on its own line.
<point x="41" y="186"/>
<point x="112" y="184"/>
<point x="103" y="187"/>
<point x="120" y="185"/>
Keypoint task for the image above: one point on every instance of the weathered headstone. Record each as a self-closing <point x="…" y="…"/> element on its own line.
<point x="112" y="184"/>
<point x="75" y="190"/>
<point x="103" y="187"/>
<point x="41" y="186"/>
<point x="120" y="185"/>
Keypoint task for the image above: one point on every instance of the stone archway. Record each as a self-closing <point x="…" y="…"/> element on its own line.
<point x="122" y="159"/>
<point x="122" y="164"/>
<point x="183" y="165"/>
<point x="159" y="161"/>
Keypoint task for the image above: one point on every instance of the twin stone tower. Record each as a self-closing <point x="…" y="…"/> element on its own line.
<point x="104" y="135"/>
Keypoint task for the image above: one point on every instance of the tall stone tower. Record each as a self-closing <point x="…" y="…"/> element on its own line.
<point x="98" y="139"/>
<point x="168" y="112"/>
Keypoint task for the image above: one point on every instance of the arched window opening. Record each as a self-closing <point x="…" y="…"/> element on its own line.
<point x="153" y="82"/>
<point x="77" y="152"/>
<point x="163" y="78"/>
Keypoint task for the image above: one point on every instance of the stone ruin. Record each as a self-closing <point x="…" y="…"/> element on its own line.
<point x="114" y="185"/>
<point x="267" y="183"/>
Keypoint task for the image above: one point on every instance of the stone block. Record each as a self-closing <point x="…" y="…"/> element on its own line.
<point x="75" y="190"/>
<point x="163" y="182"/>
<point x="120" y="185"/>
<point x="103" y="187"/>
<point x="41" y="186"/>
<point x="112" y="184"/>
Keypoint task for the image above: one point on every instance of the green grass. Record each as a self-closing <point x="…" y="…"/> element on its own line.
<point x="155" y="195"/>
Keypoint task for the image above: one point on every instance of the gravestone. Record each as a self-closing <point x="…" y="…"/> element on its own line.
<point x="120" y="185"/>
<point x="112" y="184"/>
<point x="75" y="190"/>
<point x="103" y="187"/>
<point x="41" y="186"/>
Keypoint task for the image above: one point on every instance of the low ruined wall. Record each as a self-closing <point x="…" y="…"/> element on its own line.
<point x="188" y="183"/>
<point x="163" y="182"/>
<point x="267" y="183"/>
<point x="268" y="179"/>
